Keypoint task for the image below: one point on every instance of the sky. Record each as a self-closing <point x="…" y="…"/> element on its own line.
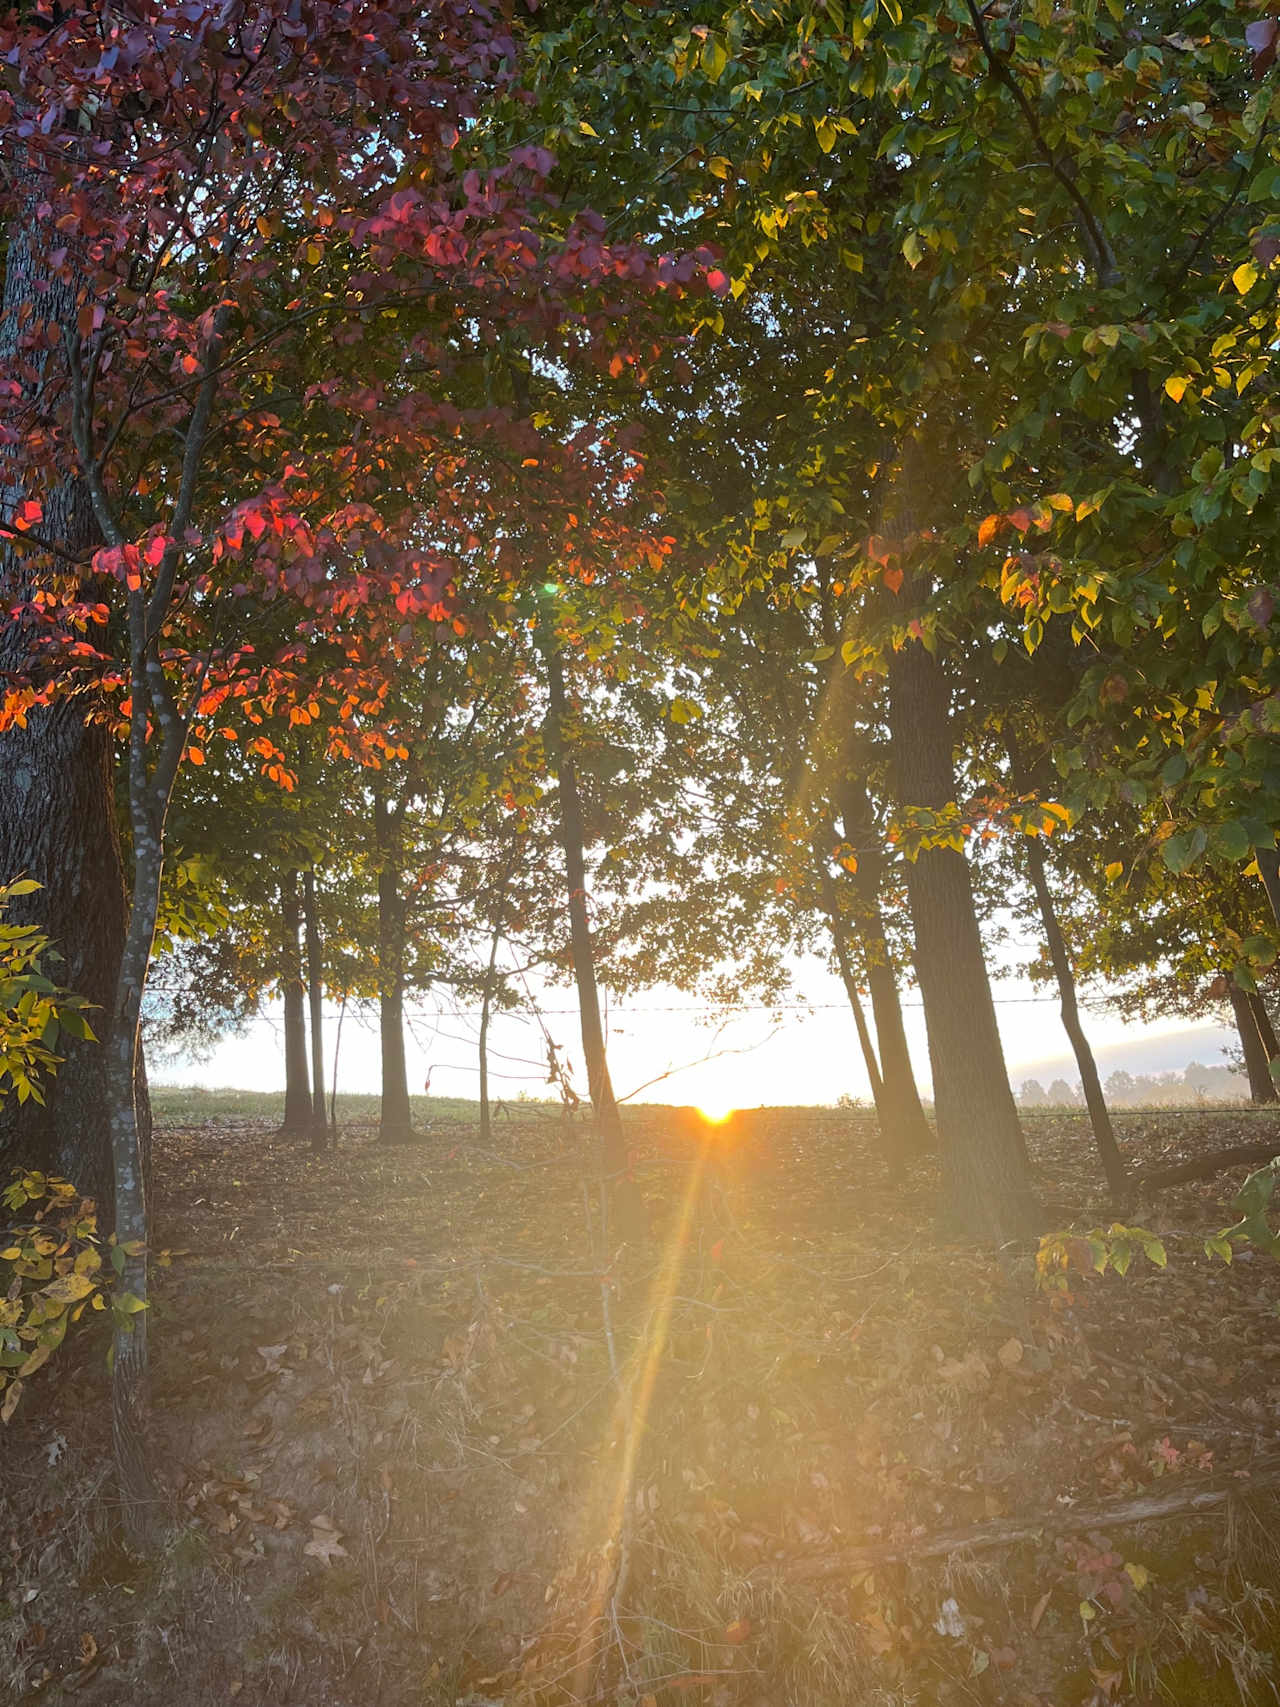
<point x="804" y="1055"/>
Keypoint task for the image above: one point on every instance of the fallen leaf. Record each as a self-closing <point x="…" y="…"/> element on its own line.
<point x="1011" y="1352"/>
<point x="325" y="1546"/>
<point x="971" y="1370"/>
<point x="1038" y="1610"/>
<point x="738" y="1631"/>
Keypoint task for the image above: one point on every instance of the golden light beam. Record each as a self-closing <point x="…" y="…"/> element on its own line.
<point x="631" y="1411"/>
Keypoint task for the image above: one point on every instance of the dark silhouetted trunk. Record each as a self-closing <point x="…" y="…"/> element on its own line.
<point x="1269" y="868"/>
<point x="319" y="1124"/>
<point x="902" y="1115"/>
<point x="395" y="1115"/>
<point x="613" y="1149"/>
<point x="333" y="1082"/>
<point x="1099" y="1118"/>
<point x="297" y="1078"/>
<point x="839" y="942"/>
<point x="1262" y="1087"/>
<point x="1265" y="1028"/>
<point x="986" y="1178"/>
<point x="395" y="1120"/>
<point x="486" y="1009"/>
<point x="57" y="807"/>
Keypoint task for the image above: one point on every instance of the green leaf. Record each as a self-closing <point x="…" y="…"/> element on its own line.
<point x="1234" y="841"/>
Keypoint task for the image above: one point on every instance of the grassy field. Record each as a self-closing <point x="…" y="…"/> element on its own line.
<point x="191" y="1105"/>
<point x="432" y="1442"/>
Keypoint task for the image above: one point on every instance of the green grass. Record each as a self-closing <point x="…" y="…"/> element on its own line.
<point x="192" y="1105"/>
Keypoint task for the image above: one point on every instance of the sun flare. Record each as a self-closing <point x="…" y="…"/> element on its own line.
<point x="714" y="1111"/>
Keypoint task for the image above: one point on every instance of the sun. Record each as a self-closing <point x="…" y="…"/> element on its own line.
<point x="715" y="1111"/>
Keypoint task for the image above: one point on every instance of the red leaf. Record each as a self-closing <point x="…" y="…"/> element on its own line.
<point x="155" y="550"/>
<point x="28" y="514"/>
<point x="893" y="579"/>
<point x="1021" y="519"/>
<point x="718" y="282"/>
<point x="1261" y="37"/>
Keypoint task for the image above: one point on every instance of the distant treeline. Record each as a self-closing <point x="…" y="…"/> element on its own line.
<point x="1196" y="1083"/>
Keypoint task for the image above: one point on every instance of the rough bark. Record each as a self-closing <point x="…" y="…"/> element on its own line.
<point x="319" y="1125"/>
<point x="1262" y="1087"/>
<point x="986" y="1178"/>
<point x="613" y="1151"/>
<point x="297" y="1077"/>
<point x="1099" y="1117"/>
<point x="57" y="811"/>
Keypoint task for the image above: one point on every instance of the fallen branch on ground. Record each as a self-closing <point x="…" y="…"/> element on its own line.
<point x="982" y="1537"/>
<point x="1202" y="1167"/>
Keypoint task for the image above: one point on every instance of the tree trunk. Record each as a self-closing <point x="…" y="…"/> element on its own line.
<point x="319" y="1124"/>
<point x="140" y="1499"/>
<point x="297" y="1080"/>
<point x="153" y="768"/>
<point x="57" y="808"/>
<point x="903" y="1116"/>
<point x="1099" y="1117"/>
<point x="985" y="1175"/>
<point x="613" y="1150"/>
<point x="869" y="1061"/>
<point x="395" y="1120"/>
<point x="839" y="941"/>
<point x="1265" y="1028"/>
<point x="486" y="1008"/>
<point x="1262" y="1087"/>
<point x="1269" y="869"/>
<point x="395" y="1115"/>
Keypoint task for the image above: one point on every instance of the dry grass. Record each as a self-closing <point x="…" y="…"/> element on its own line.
<point x="429" y="1445"/>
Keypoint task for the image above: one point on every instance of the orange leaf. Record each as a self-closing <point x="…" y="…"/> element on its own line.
<point x="893" y="579"/>
<point x="988" y="529"/>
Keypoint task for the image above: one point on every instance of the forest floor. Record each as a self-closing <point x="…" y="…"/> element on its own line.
<point x="424" y="1452"/>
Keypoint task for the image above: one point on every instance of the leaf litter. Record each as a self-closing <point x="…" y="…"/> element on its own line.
<point x="406" y="1471"/>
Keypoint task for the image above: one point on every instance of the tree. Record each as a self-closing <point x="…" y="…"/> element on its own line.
<point x="227" y="235"/>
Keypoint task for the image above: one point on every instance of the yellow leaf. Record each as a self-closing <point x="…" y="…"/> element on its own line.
<point x="1138" y="1575"/>
<point x="1114" y="870"/>
<point x="10" y="1405"/>
<point x="1245" y="277"/>
<point x="586" y="129"/>
<point x="1176" y="385"/>
<point x="68" y="1287"/>
<point x="38" y="1358"/>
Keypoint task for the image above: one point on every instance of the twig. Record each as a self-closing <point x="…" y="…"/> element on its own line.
<point x="983" y="1537"/>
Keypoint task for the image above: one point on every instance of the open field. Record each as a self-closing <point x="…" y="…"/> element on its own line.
<point x="427" y="1446"/>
